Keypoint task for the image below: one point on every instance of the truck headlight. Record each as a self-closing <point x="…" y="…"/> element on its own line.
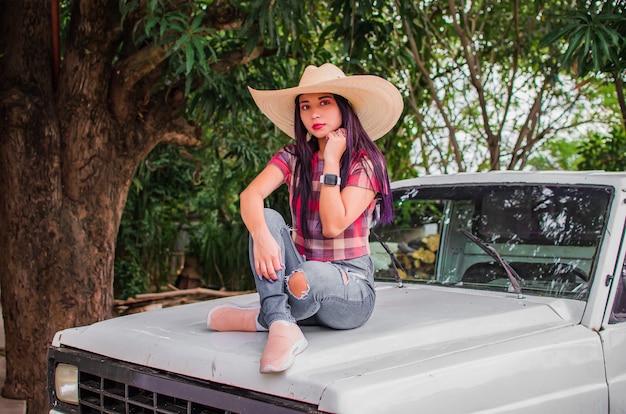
<point x="66" y="383"/>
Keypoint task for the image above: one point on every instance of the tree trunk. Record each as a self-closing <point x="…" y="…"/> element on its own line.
<point x="73" y="129"/>
<point x="60" y="207"/>
<point x="67" y="157"/>
<point x="619" y="88"/>
<point x="57" y="254"/>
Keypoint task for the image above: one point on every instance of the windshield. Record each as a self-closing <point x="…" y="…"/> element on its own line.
<point x="480" y="236"/>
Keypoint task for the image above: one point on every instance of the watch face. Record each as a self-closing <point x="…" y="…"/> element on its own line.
<point x="331" y="179"/>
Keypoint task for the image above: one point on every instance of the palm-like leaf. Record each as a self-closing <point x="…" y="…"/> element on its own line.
<point x="595" y="42"/>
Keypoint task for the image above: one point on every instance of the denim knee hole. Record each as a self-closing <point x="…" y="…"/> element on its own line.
<point x="298" y="285"/>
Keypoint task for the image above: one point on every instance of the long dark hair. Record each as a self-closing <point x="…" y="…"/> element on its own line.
<point x="357" y="142"/>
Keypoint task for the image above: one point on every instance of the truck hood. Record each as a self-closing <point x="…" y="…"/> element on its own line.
<point x="409" y="327"/>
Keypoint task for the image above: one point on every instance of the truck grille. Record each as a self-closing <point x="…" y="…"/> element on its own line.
<point x="108" y="386"/>
<point x="101" y="395"/>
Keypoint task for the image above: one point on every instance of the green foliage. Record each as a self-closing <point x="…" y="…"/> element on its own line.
<point x="602" y="152"/>
<point x="411" y="214"/>
<point x="222" y="247"/>
<point x="156" y="210"/>
<point x="596" y="41"/>
<point x="181" y="196"/>
<point x="200" y="46"/>
<point x="594" y="38"/>
<point x="232" y="157"/>
<point x="130" y="278"/>
<point x="479" y="92"/>
<point x="557" y="154"/>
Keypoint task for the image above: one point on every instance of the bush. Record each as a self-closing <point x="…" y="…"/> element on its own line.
<point x="603" y="152"/>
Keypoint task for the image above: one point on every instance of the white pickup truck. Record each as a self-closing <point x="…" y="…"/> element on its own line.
<point x="511" y="300"/>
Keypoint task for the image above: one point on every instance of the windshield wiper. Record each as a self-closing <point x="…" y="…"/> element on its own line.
<point x="514" y="277"/>
<point x="394" y="260"/>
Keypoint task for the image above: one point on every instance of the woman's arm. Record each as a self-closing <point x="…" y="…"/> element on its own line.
<point x="267" y="254"/>
<point x="339" y="208"/>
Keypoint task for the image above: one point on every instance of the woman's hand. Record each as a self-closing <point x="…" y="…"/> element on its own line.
<point x="335" y="145"/>
<point x="267" y="257"/>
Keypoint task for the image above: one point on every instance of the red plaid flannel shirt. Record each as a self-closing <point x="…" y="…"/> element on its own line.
<point x="354" y="241"/>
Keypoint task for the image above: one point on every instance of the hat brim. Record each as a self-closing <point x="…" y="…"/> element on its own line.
<point x="377" y="103"/>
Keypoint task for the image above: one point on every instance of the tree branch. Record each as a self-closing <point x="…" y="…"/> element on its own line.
<point x="493" y="140"/>
<point x="433" y="92"/>
<point x="619" y="88"/>
<point x="526" y="132"/>
<point x="515" y="66"/>
<point x="237" y="58"/>
<point x="162" y="115"/>
<point x="223" y="16"/>
<point x="126" y="75"/>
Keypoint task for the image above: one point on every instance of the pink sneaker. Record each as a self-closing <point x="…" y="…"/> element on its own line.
<point x="284" y="342"/>
<point x="232" y="318"/>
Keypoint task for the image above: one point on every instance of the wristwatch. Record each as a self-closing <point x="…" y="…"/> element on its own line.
<point x="330" y="179"/>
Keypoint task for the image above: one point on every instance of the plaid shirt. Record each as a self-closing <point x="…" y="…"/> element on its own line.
<point x="354" y="241"/>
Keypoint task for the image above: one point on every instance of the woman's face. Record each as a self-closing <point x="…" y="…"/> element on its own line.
<point x="320" y="113"/>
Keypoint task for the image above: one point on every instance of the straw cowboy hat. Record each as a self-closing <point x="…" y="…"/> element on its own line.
<point x="377" y="103"/>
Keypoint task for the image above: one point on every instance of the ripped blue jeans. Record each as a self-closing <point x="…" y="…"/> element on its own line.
<point x="339" y="294"/>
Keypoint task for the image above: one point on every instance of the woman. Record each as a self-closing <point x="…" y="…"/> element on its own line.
<point x="322" y="274"/>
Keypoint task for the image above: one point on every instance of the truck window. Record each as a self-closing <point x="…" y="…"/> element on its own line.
<point x="618" y="313"/>
<point x="549" y="235"/>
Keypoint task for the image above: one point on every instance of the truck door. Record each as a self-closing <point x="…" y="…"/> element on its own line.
<point x="614" y="343"/>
